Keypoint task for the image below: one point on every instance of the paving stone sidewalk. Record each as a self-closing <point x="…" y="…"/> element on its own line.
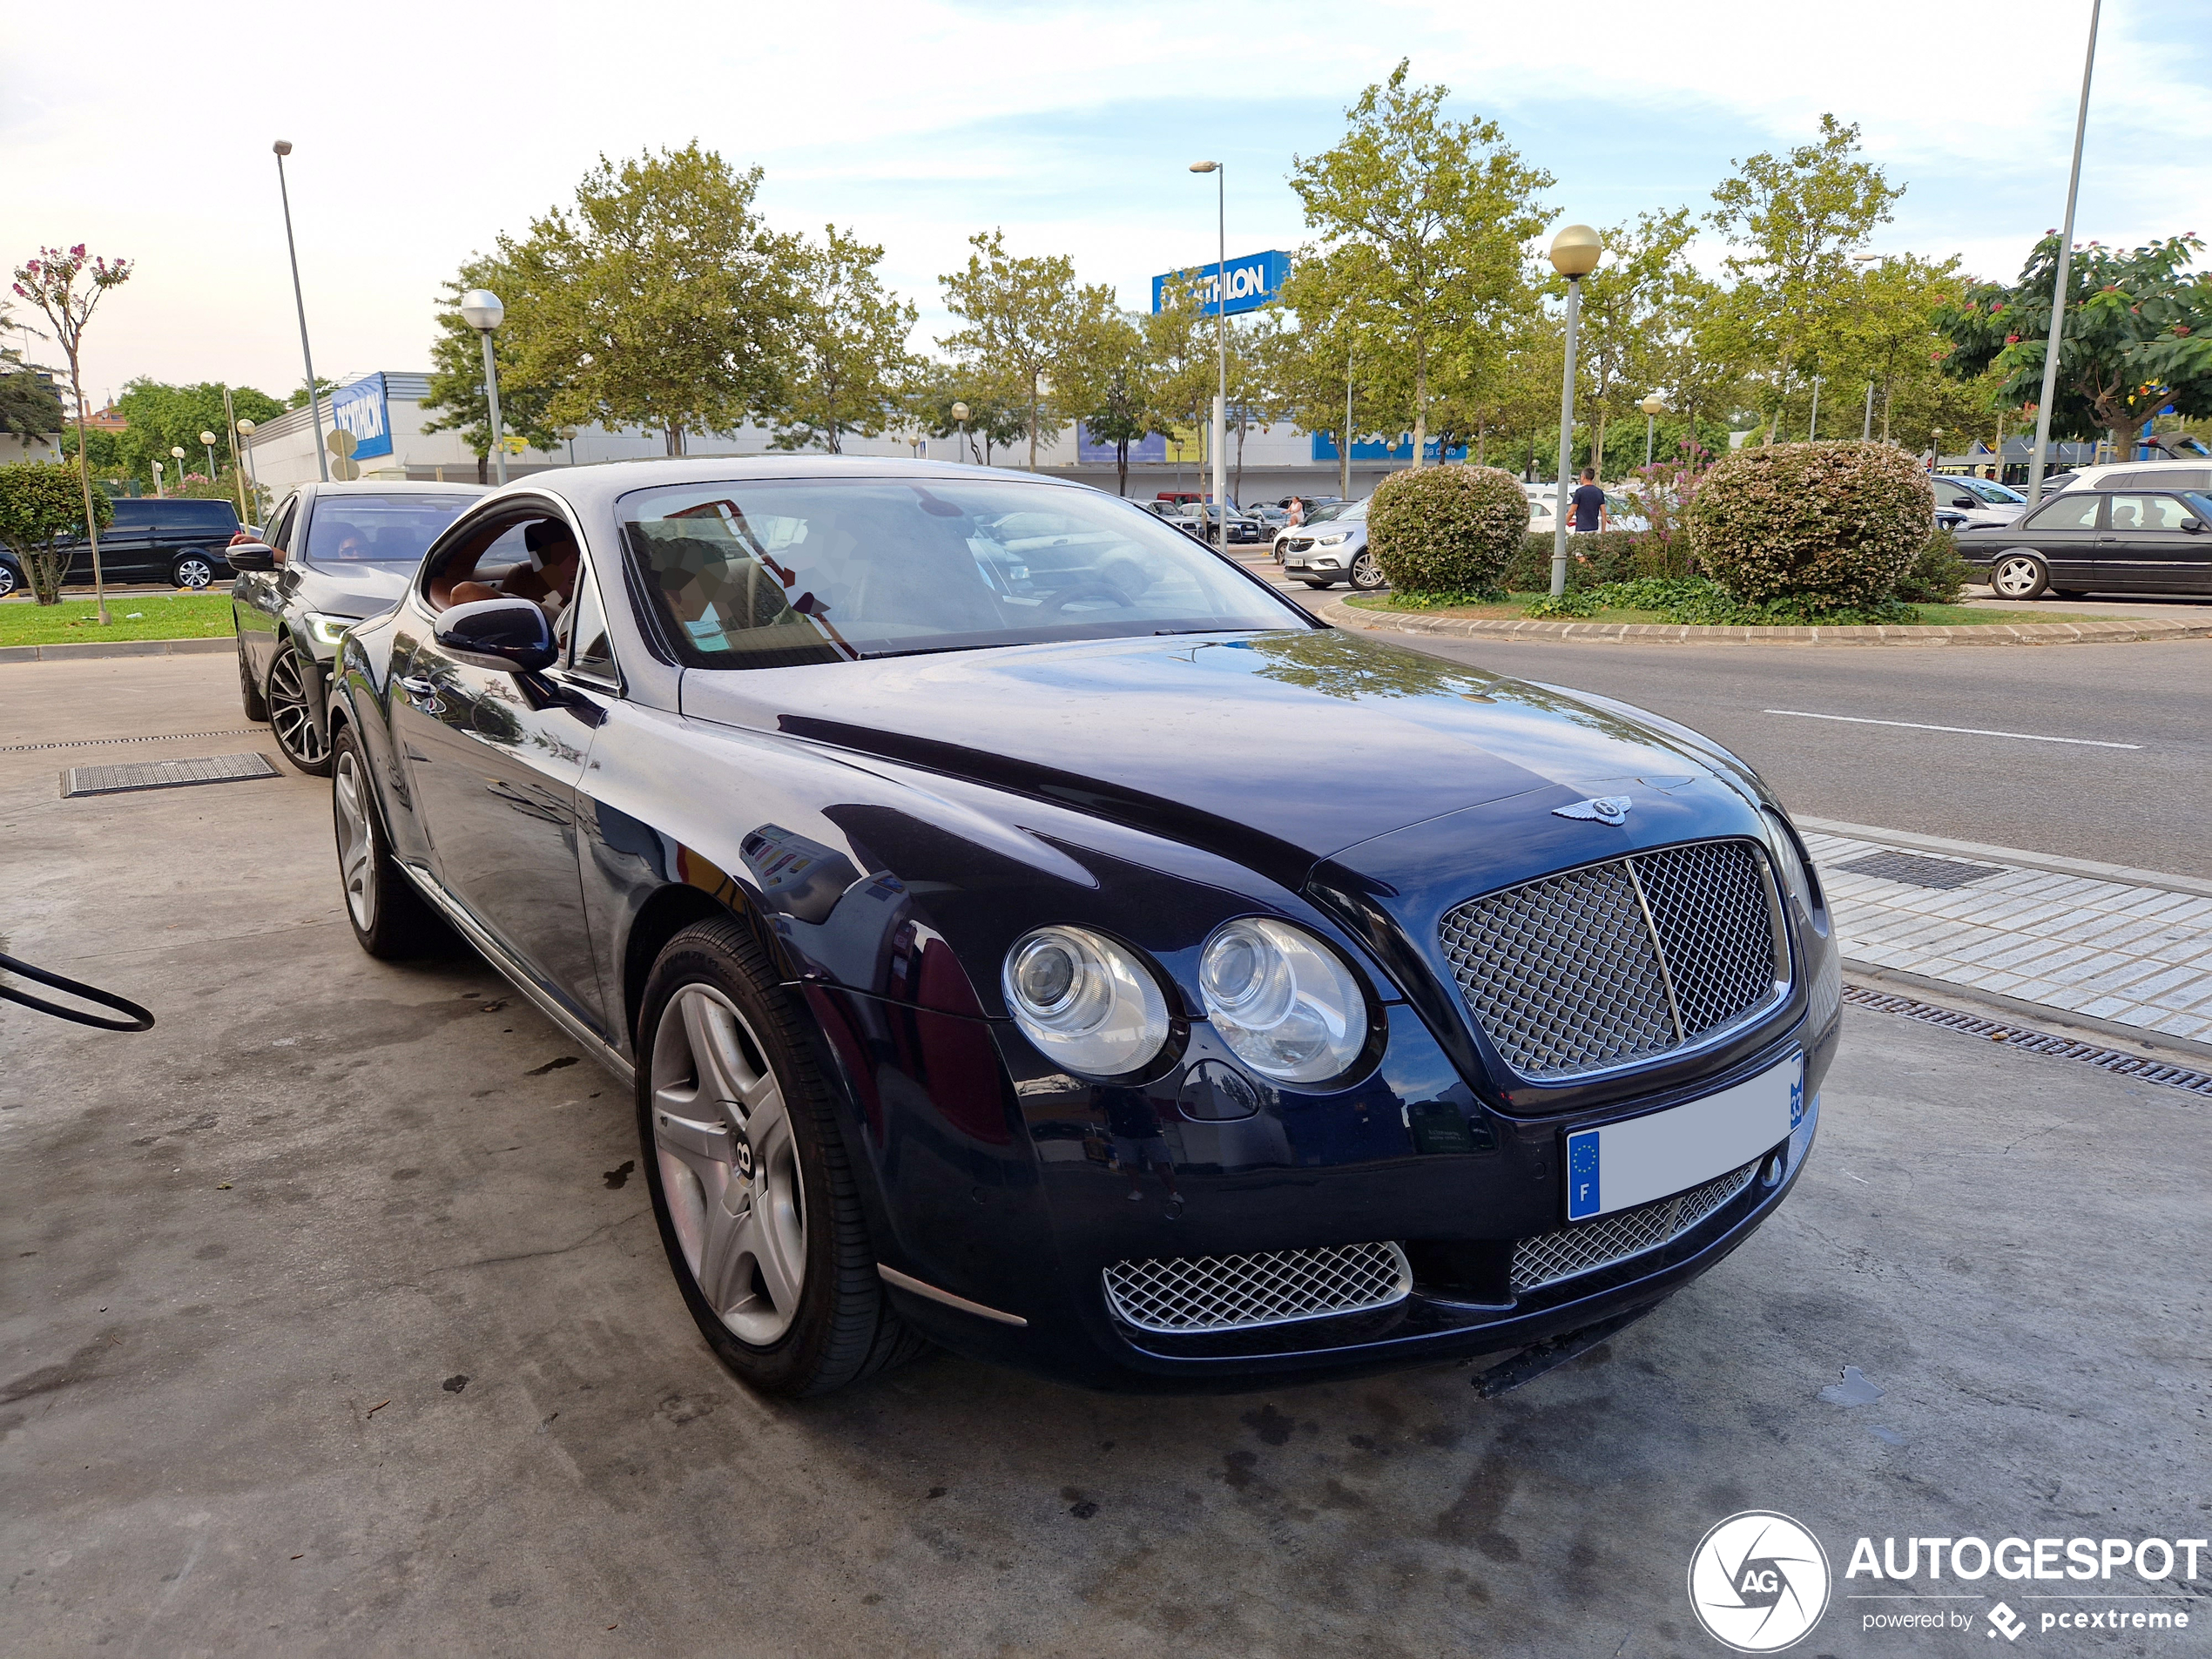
<point x="2136" y="955"/>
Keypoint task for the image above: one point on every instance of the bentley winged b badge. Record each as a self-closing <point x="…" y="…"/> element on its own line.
<point x="1605" y="809"/>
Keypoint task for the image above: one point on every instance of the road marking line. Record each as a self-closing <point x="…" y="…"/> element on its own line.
<point x="1964" y="730"/>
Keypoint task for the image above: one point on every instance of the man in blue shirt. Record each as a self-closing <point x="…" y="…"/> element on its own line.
<point x="1588" y="503"/>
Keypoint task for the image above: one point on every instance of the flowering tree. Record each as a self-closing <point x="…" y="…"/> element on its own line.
<point x="2130" y="346"/>
<point x="52" y="283"/>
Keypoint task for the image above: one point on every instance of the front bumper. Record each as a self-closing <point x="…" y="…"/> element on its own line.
<point x="1003" y="1183"/>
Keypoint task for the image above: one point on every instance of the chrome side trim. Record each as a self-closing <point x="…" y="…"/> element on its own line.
<point x="512" y="972"/>
<point x="907" y="1282"/>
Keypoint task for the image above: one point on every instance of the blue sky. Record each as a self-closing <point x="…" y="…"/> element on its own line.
<point x="1070" y="126"/>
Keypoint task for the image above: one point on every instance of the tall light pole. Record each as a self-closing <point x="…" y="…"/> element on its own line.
<point x="1575" y="255"/>
<point x="1343" y="449"/>
<point x="2057" y="283"/>
<point x="1220" y="445"/>
<point x="1813" y="426"/>
<point x="252" y="477"/>
<point x="1866" y="432"/>
<point x="177" y="452"/>
<point x="208" y="440"/>
<point x="959" y="415"/>
<point x="283" y="148"/>
<point x="1653" y="406"/>
<point x="481" y="311"/>
<point x="238" y="460"/>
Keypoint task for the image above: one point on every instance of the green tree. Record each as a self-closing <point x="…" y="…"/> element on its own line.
<point x="41" y="504"/>
<point x="1117" y="372"/>
<point x="297" y="397"/>
<point x="997" y="416"/>
<point x="2134" y="339"/>
<point x="457" y="368"/>
<point x="1443" y="208"/>
<point x="163" y="416"/>
<point x="30" y="406"/>
<point x="849" y="360"/>
<point x="50" y="282"/>
<point x="1025" y="319"/>
<point x="1794" y="220"/>
<point x="1631" y="304"/>
<point x="660" y="298"/>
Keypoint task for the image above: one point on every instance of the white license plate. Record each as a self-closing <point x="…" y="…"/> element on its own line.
<point x="1618" y="1166"/>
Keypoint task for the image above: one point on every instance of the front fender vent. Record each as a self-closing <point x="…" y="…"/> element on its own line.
<point x="1181" y="1294"/>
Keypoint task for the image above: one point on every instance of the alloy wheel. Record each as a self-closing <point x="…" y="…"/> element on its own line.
<point x="192" y="572"/>
<point x="729" y="1164"/>
<point x="2018" y="577"/>
<point x="290" y="717"/>
<point x="356" y="844"/>
<point x="1366" y="575"/>
<point x="7" y="580"/>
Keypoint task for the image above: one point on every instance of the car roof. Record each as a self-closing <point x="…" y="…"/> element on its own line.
<point x="2092" y="476"/>
<point x="394" y="487"/>
<point x="596" y="487"/>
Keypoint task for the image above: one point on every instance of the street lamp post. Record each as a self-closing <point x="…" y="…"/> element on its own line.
<point x="1866" y="432"/>
<point x="177" y="453"/>
<point x="960" y="417"/>
<point x="1653" y="406"/>
<point x="244" y="429"/>
<point x="2059" y="282"/>
<point x="158" y="491"/>
<point x="208" y="440"/>
<point x="1575" y="255"/>
<point x="1220" y="445"/>
<point x="481" y="311"/>
<point x="1813" y="426"/>
<point x="283" y="148"/>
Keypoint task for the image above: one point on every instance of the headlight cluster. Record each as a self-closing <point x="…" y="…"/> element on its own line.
<point x="1789" y="863"/>
<point x="1283" y="1000"/>
<point x="1336" y="540"/>
<point x="329" y="629"/>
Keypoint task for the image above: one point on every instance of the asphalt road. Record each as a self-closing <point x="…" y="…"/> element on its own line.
<point x="333" y="1321"/>
<point x="2144" y="800"/>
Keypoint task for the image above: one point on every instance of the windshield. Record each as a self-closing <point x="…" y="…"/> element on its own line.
<point x="380" y="530"/>
<point x="762" y="574"/>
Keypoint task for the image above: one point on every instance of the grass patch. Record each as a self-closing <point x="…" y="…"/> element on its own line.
<point x="77" y="622"/>
<point x="1515" y="606"/>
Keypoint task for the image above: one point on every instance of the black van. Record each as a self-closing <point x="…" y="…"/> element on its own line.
<point x="168" y="540"/>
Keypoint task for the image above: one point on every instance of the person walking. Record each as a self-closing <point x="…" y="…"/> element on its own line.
<point x="1588" y="503"/>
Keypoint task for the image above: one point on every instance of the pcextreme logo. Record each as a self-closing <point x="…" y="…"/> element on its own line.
<point x="1758" y="1581"/>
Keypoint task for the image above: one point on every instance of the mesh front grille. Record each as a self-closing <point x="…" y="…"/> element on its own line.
<point x="1618" y="962"/>
<point x="1194" y="1294"/>
<point x="1549" y="1258"/>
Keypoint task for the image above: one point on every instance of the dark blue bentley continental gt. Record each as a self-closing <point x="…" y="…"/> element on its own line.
<point x="1025" y="930"/>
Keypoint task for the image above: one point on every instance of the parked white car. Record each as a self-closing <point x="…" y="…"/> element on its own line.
<point x="2138" y="474"/>
<point x="1979" y="502"/>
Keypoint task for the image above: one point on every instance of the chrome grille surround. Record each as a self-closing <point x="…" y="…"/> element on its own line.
<point x="1618" y="963"/>
<point x="1183" y="1295"/>
<point x="1548" y="1257"/>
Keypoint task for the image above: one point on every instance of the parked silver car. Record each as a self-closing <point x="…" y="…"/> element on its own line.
<point x="1332" y="550"/>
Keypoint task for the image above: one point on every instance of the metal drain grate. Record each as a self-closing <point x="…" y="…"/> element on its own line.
<point x="111" y="743"/>
<point x="1915" y="871"/>
<point x="2118" y="1061"/>
<point x="1548" y="1257"/>
<point x="165" y="774"/>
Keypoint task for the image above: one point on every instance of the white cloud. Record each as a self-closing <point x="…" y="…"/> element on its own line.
<point x="920" y="122"/>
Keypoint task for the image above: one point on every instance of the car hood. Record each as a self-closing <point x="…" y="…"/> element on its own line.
<point x="356" y="589"/>
<point x="1277" y="749"/>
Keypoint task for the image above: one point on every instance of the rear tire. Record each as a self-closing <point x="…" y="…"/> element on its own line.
<point x="192" y="570"/>
<point x="390" y="919"/>
<point x="751" y="1186"/>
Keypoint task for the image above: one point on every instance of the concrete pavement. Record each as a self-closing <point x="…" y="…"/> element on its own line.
<point x="334" y="1321"/>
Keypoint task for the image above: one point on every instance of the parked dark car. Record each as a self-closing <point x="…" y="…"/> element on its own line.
<point x="334" y="553"/>
<point x="2083" y="540"/>
<point x="1024" y="929"/>
<point x="178" y="542"/>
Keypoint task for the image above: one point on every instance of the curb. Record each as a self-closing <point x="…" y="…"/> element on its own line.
<point x="120" y="648"/>
<point x="2119" y="631"/>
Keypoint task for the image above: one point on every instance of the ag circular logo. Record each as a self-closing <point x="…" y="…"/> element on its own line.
<point x="1758" y="1581"/>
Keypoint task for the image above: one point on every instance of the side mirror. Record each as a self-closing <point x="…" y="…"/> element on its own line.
<point x="512" y="634"/>
<point x="2193" y="526"/>
<point x="250" y="555"/>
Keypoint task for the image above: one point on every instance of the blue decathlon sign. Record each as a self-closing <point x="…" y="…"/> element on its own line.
<point x="1091" y="451"/>
<point x="1376" y="447"/>
<point x="1253" y="280"/>
<point x="363" y="410"/>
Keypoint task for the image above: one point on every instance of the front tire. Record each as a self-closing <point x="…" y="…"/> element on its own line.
<point x="249" y="694"/>
<point x="758" y="1208"/>
<point x="192" y="570"/>
<point x="292" y="718"/>
<point x="1366" y="575"/>
<point x="2019" y="575"/>
<point x="389" y="919"/>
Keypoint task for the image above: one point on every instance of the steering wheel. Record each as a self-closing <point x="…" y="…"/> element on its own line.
<point x="1090" y="591"/>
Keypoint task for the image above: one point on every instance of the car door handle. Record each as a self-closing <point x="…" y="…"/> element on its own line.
<point x="423" y="694"/>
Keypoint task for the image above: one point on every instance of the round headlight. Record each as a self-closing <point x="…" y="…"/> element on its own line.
<point x="1086" y="1001"/>
<point x="1282" y="1000"/>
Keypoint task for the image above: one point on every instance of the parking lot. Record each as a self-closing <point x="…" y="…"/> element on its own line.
<point x="335" y="1321"/>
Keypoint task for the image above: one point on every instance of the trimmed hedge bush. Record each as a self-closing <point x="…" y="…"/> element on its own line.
<point x="1446" y="529"/>
<point x="1832" y="525"/>
<point x="1593" y="558"/>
